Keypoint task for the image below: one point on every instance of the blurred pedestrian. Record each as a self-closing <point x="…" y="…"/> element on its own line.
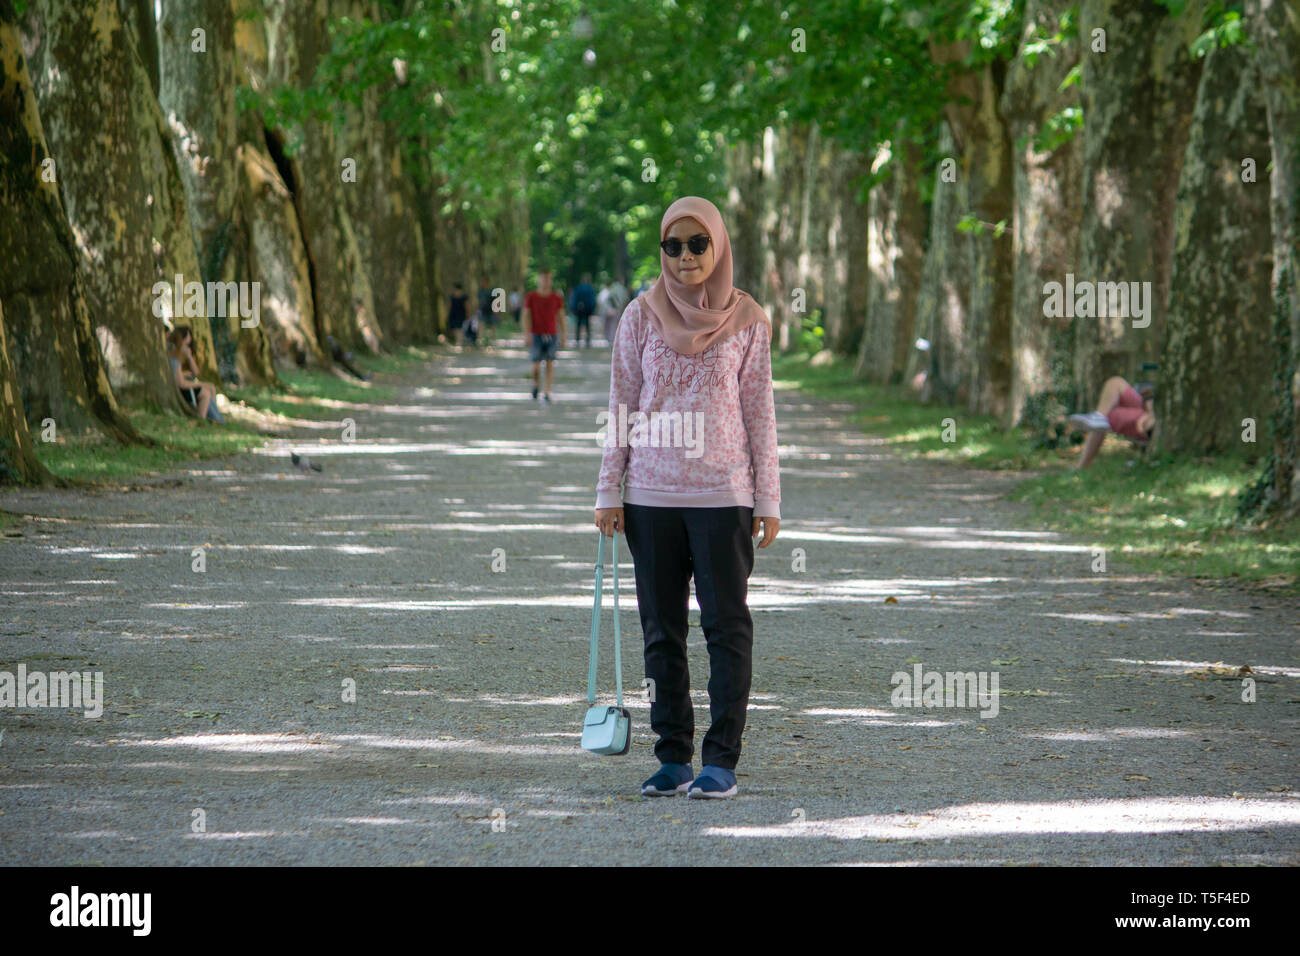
<point x="456" y="313"/>
<point x="582" y="303"/>
<point x="543" y="324"/>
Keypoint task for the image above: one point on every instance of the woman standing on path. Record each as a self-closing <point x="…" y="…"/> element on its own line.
<point x="692" y="376"/>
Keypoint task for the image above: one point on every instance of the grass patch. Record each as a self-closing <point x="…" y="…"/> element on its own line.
<point x="181" y="439"/>
<point x="1162" y="514"/>
<point x="313" y="395"/>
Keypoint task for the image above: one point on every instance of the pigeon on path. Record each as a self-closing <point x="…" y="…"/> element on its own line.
<point x="303" y="463"/>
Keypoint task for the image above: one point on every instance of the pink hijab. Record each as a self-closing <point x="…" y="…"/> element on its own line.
<point x="690" y="318"/>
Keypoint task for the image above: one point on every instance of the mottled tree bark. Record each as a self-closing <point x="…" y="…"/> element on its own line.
<point x="381" y="206"/>
<point x="986" y="167"/>
<point x="138" y="16"/>
<point x="857" y="277"/>
<point x="91" y="89"/>
<point x="943" y="305"/>
<point x="197" y="92"/>
<point x="426" y="204"/>
<point x="744" y="181"/>
<point x="1274" y="25"/>
<point x="18" y="461"/>
<point x="276" y="247"/>
<point x="1046" y="213"/>
<point x="842" y="216"/>
<point x="896" y="228"/>
<point x="57" y="359"/>
<point x="341" y="289"/>
<point x="1218" y="341"/>
<point x="789" y="146"/>
<point x="1137" y="106"/>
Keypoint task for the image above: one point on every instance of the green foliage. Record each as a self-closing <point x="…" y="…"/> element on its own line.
<point x="1044" y="418"/>
<point x="1223" y="26"/>
<point x="970" y="224"/>
<point x="1058" y="129"/>
<point x="499" y="98"/>
<point x="811" y="337"/>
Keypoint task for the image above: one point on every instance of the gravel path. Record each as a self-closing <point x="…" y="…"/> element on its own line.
<point x="223" y="690"/>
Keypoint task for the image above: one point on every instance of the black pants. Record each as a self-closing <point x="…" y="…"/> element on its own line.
<point x="584" y="322"/>
<point x="668" y="545"/>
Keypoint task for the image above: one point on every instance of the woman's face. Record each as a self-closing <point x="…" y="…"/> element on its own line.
<point x="688" y="267"/>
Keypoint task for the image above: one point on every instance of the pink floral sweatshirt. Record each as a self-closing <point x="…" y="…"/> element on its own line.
<point x="690" y="431"/>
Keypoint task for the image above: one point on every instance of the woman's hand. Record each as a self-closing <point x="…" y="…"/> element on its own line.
<point x="609" y="520"/>
<point x="770" y="528"/>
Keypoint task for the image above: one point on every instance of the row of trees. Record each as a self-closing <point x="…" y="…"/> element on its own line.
<point x="987" y="175"/>
<point x="1146" y="144"/>
<point x="932" y="171"/>
<point x="138" y="154"/>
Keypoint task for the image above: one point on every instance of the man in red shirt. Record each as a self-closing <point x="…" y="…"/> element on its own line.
<point x="543" y="322"/>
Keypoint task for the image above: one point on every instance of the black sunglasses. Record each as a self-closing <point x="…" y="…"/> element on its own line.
<point x="697" y="245"/>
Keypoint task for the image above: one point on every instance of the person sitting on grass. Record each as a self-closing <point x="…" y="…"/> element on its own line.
<point x="185" y="372"/>
<point x="1121" y="409"/>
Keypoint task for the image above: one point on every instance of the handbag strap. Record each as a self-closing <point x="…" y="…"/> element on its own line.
<point x="595" y="625"/>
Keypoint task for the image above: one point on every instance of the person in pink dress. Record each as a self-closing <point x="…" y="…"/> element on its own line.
<point x="1121" y="409"/>
<point x="691" y="434"/>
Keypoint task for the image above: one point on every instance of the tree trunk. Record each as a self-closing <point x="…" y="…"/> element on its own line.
<point x="279" y="259"/>
<point x="57" y="362"/>
<point x="381" y="206"/>
<point x="341" y="290"/>
<point x="838" y="217"/>
<point x="426" y="204"/>
<point x="138" y="16"/>
<point x="1274" y="25"/>
<point x="197" y="92"/>
<point x="896" y="226"/>
<point x="943" y="309"/>
<point x="857" y="282"/>
<point x="94" y="98"/>
<point x="986" y="167"/>
<point x="1046" y="215"/>
<point x="18" y="461"/>
<point x="744" y="208"/>
<point x="1220" y="304"/>
<point x="1138" y="98"/>
<point x="791" y="151"/>
<point x="278" y="252"/>
<point x="876" y="349"/>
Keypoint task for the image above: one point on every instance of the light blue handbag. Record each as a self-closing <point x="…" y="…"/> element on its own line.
<point x="605" y="730"/>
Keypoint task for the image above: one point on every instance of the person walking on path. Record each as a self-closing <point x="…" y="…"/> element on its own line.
<point x="602" y="306"/>
<point x="694" y="352"/>
<point x="543" y="324"/>
<point x="616" y="302"/>
<point x="456" y="313"/>
<point x="487" y="319"/>
<point x="583" y="304"/>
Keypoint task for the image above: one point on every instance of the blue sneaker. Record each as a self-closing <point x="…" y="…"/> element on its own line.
<point x="672" y="779"/>
<point x="713" y="783"/>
